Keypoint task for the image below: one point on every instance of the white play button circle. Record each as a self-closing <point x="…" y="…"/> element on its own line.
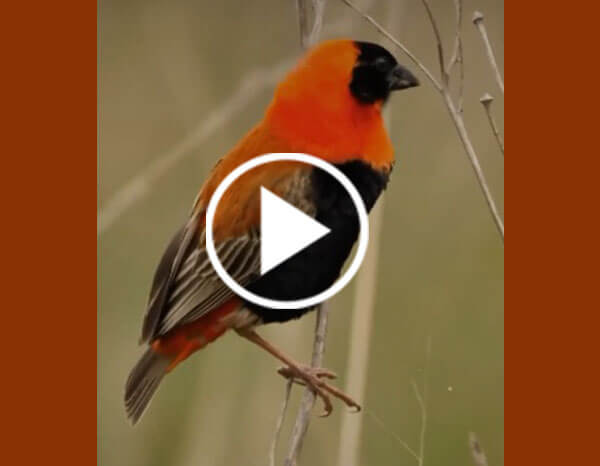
<point x="284" y="230"/>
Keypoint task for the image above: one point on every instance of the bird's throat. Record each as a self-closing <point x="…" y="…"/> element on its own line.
<point x="336" y="128"/>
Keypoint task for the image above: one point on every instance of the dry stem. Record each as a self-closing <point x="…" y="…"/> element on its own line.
<point x="395" y="436"/>
<point x="279" y="423"/>
<point x="439" y="43"/>
<point x="308" y="399"/>
<point x="422" y="400"/>
<point x="486" y="100"/>
<point x="310" y="20"/>
<point x="479" y="458"/>
<point x="478" y="22"/>
<point x="457" y="54"/>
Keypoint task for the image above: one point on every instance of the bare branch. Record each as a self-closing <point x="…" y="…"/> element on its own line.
<point x="310" y="20"/>
<point x="458" y="55"/>
<point x="461" y="78"/>
<point x="457" y="38"/>
<point x="308" y="399"/>
<point x="438" y="39"/>
<point x="397" y="43"/>
<point x="486" y="100"/>
<point x="479" y="458"/>
<point x="468" y="146"/>
<point x="478" y="22"/>
<point x="279" y="424"/>
<point x="304" y="14"/>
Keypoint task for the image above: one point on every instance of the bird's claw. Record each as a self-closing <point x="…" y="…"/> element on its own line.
<point x="312" y="377"/>
<point x="355" y="408"/>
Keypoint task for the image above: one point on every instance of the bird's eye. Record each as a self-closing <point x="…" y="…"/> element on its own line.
<point x="382" y="64"/>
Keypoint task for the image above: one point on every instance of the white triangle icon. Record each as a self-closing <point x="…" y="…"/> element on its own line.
<point x="284" y="230"/>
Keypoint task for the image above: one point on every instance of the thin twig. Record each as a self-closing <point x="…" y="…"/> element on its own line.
<point x="398" y="44"/>
<point x="423" y="409"/>
<point x="455" y="114"/>
<point x="308" y="399"/>
<point x="463" y="134"/>
<point x="479" y="458"/>
<point x="303" y="10"/>
<point x="486" y="100"/>
<point x="396" y="437"/>
<point x="438" y="39"/>
<point x="279" y="423"/>
<point x="461" y="82"/>
<point x="422" y="400"/>
<point x="457" y="38"/>
<point x="458" y="55"/>
<point x="469" y="149"/>
<point x="310" y="20"/>
<point x="478" y="22"/>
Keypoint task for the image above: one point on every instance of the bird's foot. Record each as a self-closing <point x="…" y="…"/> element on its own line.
<point x="312" y="377"/>
<point x="318" y="372"/>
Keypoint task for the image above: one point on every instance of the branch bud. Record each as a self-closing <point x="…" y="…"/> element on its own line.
<point x="477" y="17"/>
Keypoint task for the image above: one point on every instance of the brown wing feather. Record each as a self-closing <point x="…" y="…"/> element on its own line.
<point x="180" y="246"/>
<point x="198" y="289"/>
<point x="185" y="285"/>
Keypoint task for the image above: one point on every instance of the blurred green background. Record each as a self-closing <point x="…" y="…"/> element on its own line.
<point x="164" y="66"/>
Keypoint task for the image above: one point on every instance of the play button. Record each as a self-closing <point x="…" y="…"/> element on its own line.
<point x="285" y="230"/>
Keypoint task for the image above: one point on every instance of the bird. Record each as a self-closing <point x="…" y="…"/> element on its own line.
<point x="329" y="105"/>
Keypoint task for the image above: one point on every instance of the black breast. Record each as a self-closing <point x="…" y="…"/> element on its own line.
<point x="317" y="267"/>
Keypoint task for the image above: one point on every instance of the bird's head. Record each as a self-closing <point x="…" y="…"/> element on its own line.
<point x="364" y="70"/>
<point x="376" y="73"/>
<point x="332" y="99"/>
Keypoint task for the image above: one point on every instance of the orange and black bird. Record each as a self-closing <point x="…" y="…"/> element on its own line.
<point x="328" y="106"/>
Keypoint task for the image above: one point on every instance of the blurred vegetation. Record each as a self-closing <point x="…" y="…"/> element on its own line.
<point x="163" y="65"/>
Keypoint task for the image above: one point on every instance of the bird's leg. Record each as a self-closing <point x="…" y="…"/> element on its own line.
<point x="310" y="375"/>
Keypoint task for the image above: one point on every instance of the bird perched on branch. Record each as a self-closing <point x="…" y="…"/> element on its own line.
<point x="328" y="106"/>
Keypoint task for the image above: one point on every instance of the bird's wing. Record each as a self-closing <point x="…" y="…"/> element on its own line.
<point x="185" y="285"/>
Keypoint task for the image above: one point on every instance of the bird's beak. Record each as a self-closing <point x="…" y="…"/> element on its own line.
<point x="400" y="78"/>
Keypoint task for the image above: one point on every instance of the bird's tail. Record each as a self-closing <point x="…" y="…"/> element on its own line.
<point x="143" y="381"/>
